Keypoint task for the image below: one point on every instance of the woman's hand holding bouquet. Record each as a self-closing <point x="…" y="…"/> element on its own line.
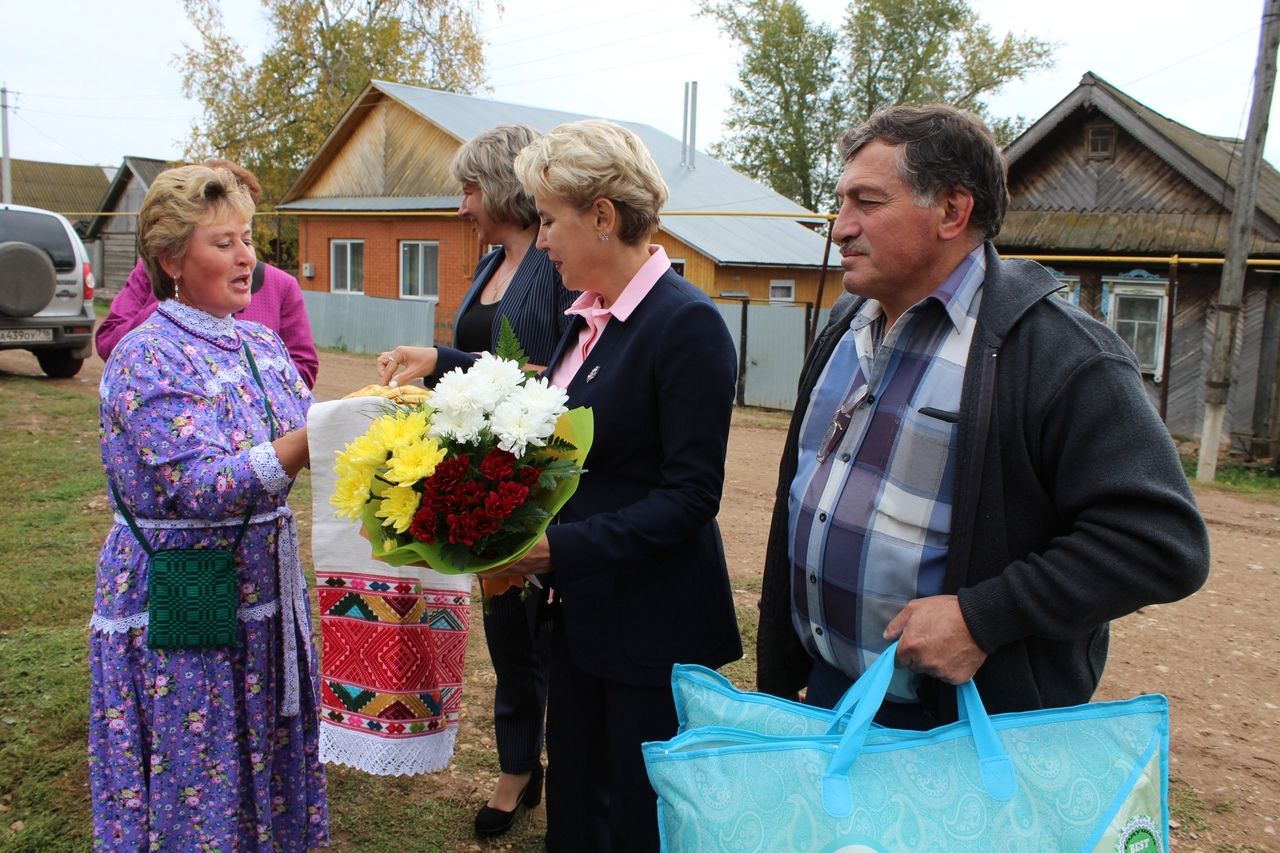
<point x="468" y="480"/>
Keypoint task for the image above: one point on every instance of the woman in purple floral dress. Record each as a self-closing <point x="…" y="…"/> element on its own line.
<point x="210" y="748"/>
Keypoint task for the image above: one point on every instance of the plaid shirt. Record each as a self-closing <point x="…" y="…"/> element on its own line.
<point x="870" y="518"/>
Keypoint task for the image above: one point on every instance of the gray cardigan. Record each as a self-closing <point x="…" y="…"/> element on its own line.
<point x="1071" y="508"/>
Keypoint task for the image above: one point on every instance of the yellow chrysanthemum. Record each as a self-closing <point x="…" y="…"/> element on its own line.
<point x="367" y="449"/>
<point x="404" y="428"/>
<point x="415" y="461"/>
<point x="397" y="506"/>
<point x="350" y="494"/>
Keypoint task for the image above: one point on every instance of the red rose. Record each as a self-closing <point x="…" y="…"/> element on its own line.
<point x="529" y="475"/>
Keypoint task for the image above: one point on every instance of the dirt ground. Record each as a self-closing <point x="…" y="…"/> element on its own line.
<point x="1216" y="655"/>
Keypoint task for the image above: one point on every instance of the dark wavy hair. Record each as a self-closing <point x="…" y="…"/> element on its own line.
<point x="941" y="148"/>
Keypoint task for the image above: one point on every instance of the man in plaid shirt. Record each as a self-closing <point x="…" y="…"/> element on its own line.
<point x="973" y="468"/>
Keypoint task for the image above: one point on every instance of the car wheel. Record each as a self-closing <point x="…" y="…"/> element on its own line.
<point x="27" y="279"/>
<point x="58" y="363"/>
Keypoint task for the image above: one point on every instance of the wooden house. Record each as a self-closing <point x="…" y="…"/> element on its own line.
<point x="376" y="212"/>
<point x="116" y="225"/>
<point x="1130" y="210"/>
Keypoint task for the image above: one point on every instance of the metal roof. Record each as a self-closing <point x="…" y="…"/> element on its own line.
<point x="61" y="187"/>
<point x="709" y="186"/>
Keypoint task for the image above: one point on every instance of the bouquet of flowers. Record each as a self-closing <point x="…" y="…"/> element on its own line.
<point x="469" y="479"/>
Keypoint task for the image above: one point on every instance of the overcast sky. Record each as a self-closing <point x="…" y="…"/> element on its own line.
<point x="92" y="82"/>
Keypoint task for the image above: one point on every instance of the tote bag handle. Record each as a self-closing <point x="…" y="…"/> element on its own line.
<point x="995" y="766"/>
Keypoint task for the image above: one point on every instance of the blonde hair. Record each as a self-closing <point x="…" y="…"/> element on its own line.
<point x="178" y="201"/>
<point x="586" y="160"/>
<point x="486" y="161"/>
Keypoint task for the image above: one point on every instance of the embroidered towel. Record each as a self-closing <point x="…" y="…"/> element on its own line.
<point x="393" y="640"/>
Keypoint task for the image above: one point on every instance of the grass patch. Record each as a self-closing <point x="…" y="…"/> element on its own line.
<point x="1186" y="807"/>
<point x="55" y="520"/>
<point x="1236" y="477"/>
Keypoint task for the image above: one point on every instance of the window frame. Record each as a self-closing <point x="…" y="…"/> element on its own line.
<point x="1116" y="288"/>
<point x="425" y="297"/>
<point x="789" y="283"/>
<point x="345" y="243"/>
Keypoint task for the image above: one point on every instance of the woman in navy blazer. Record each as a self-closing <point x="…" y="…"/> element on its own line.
<point x="635" y="557"/>
<point x="516" y="281"/>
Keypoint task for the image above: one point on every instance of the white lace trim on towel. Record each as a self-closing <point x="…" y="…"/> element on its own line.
<point x="107" y="625"/>
<point x="266" y="464"/>
<point x="386" y="757"/>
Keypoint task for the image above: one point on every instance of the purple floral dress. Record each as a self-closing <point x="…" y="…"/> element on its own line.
<point x="203" y="749"/>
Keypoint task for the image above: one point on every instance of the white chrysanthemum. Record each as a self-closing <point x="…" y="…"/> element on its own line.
<point x="516" y="428"/>
<point x="455" y="398"/>
<point x="542" y="399"/>
<point x="460" y="424"/>
<point x="494" y="379"/>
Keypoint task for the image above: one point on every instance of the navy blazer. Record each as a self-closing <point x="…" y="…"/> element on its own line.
<point x="534" y="302"/>
<point x="638" y="562"/>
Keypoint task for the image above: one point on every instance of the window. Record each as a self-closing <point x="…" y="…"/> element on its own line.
<point x="1100" y="141"/>
<point x="782" y="290"/>
<point x="1137" y="312"/>
<point x="419" y="269"/>
<point x="1070" y="285"/>
<point x="346" y="270"/>
<point x="677" y="264"/>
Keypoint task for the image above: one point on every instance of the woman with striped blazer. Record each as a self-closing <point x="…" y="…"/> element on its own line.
<point x="518" y="282"/>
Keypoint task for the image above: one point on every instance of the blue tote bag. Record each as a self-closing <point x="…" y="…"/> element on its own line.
<point x="766" y="774"/>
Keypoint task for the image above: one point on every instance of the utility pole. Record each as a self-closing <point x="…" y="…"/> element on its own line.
<point x="7" y="196"/>
<point x="1241" y="235"/>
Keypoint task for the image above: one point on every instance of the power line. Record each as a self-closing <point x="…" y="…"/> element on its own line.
<point x="75" y="154"/>
<point x="1190" y="57"/>
<point x="104" y="118"/>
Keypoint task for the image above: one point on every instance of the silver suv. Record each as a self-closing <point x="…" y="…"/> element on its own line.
<point x="46" y="289"/>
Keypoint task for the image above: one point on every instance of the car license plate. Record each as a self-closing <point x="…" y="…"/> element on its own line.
<point x="26" y="336"/>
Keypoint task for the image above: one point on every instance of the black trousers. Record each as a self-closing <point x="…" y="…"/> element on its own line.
<point x="598" y="793"/>
<point x="519" y="641"/>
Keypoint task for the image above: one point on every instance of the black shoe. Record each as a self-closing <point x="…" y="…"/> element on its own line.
<point x="491" y="822"/>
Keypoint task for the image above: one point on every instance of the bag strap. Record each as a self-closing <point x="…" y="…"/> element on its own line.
<point x="128" y="517"/>
<point x="142" y="540"/>
<point x="266" y="400"/>
<point x="997" y="770"/>
<point x="244" y="525"/>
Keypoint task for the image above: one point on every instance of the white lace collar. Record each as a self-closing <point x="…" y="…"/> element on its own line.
<point x="222" y="331"/>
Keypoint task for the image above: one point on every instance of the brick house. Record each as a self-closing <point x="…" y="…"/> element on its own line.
<point x="384" y="259"/>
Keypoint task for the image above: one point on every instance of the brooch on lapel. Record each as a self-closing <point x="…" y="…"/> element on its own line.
<point x="592" y="374"/>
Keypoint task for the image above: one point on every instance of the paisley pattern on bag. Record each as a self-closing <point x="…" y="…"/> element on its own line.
<point x="1083" y="775"/>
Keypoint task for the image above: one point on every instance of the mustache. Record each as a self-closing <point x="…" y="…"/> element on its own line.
<point x="852" y="245"/>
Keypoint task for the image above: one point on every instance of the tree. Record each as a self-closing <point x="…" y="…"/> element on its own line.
<point x="272" y="116"/>
<point x="932" y="51"/>
<point x="781" y="123"/>
<point x="802" y="83"/>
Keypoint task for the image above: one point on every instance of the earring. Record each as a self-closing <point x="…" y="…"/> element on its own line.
<point x="604" y="237"/>
<point x="177" y="282"/>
